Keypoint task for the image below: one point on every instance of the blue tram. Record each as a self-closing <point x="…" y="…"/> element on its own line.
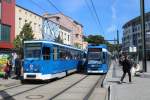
<point x="98" y="59"/>
<point x="46" y="60"/>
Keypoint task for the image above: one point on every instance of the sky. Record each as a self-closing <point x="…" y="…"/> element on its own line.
<point x="113" y="14"/>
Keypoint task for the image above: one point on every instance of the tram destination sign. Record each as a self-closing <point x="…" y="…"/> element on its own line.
<point x="94" y="49"/>
<point x="32" y="44"/>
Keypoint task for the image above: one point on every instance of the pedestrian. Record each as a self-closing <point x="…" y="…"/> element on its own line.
<point x="9" y="65"/>
<point x="126" y="67"/>
<point x="18" y="66"/>
<point x="7" y="69"/>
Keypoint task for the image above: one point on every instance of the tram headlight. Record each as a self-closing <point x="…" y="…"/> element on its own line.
<point x="36" y="70"/>
<point x="26" y="70"/>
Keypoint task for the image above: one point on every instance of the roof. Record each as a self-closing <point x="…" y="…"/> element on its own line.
<point x="28" y="10"/>
<point x="55" y="15"/>
<point x="136" y="20"/>
<point x="98" y="46"/>
<point x="54" y="43"/>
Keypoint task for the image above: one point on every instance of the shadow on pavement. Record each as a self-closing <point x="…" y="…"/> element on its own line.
<point x="118" y="82"/>
<point x="5" y="96"/>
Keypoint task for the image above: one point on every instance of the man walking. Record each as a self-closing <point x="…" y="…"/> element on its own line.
<point x="126" y="67"/>
<point x="18" y="66"/>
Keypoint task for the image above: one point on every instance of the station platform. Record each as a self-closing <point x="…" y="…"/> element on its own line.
<point x="139" y="89"/>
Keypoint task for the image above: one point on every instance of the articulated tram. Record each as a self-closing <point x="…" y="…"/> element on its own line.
<point x="46" y="60"/>
<point x="98" y="59"/>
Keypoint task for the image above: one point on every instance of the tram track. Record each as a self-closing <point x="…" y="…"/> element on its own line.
<point x="86" y="96"/>
<point x="97" y="84"/>
<point x="61" y="92"/>
<point x="55" y="89"/>
<point x="10" y="96"/>
<point x="10" y="93"/>
<point x="11" y="87"/>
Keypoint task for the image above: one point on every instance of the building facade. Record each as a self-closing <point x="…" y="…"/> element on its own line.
<point x="132" y="34"/>
<point x="23" y="16"/>
<point x="70" y="30"/>
<point x="7" y="24"/>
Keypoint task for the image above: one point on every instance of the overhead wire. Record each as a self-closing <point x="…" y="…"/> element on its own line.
<point x="52" y="4"/>
<point x="92" y="14"/>
<point x="39" y="6"/>
<point x="93" y="6"/>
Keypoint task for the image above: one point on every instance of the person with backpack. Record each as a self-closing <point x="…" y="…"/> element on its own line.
<point x="126" y="67"/>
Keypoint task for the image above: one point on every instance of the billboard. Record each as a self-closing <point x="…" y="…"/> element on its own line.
<point x="3" y="61"/>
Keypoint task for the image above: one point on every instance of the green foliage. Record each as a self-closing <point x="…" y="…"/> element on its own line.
<point x="59" y="40"/>
<point x="25" y="34"/>
<point x="77" y="45"/>
<point x="17" y="42"/>
<point x="96" y="39"/>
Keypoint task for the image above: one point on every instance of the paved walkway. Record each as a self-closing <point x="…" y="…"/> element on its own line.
<point x="138" y="90"/>
<point x="8" y="83"/>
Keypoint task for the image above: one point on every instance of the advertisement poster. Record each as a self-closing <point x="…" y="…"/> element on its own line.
<point x="3" y="61"/>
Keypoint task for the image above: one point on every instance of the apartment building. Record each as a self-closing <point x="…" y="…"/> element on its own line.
<point x="7" y="24"/>
<point x="132" y="34"/>
<point x="70" y="30"/>
<point x="22" y="16"/>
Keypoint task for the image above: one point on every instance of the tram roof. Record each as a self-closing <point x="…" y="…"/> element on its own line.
<point x="54" y="43"/>
<point x="98" y="46"/>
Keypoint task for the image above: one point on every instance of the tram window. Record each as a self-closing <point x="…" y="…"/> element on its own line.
<point x="46" y="53"/>
<point x="104" y="58"/>
<point x="62" y="53"/>
<point x="55" y="53"/>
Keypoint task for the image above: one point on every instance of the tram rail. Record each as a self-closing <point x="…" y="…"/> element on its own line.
<point x="27" y="92"/>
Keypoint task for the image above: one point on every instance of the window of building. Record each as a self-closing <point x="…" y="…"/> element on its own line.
<point x="20" y="22"/>
<point x="0" y="10"/>
<point x="8" y="1"/>
<point x="4" y="32"/>
<point x="76" y="35"/>
<point x="34" y="26"/>
<point x="149" y="25"/>
<point x="19" y="10"/>
<point x="68" y="37"/>
<point x="57" y="19"/>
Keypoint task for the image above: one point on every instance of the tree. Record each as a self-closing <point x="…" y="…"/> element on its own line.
<point x="58" y="39"/>
<point x="77" y="45"/>
<point x="96" y="39"/>
<point x="25" y="34"/>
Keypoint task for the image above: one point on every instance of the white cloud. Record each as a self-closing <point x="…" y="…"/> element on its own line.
<point x="112" y="28"/>
<point x="113" y="12"/>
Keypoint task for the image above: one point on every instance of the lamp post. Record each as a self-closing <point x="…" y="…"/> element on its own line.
<point x="143" y="35"/>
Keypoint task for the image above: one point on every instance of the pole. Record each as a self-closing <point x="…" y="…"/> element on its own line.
<point x="118" y="42"/>
<point x="143" y="35"/>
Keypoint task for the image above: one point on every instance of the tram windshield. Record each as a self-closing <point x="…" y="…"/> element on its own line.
<point x="33" y="51"/>
<point x="95" y="55"/>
